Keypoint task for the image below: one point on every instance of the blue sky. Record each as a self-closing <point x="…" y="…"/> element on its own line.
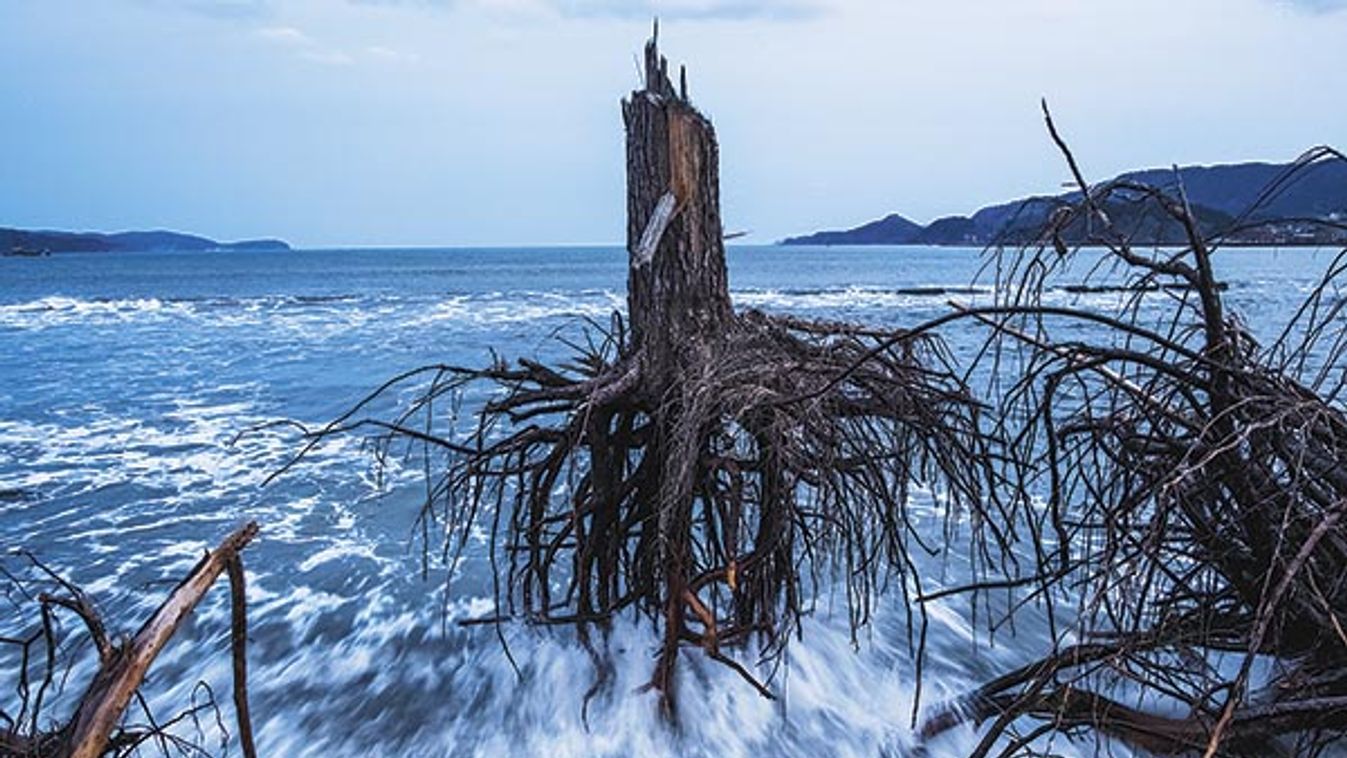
<point x="428" y="122"/>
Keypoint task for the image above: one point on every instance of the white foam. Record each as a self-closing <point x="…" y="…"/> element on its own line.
<point x="56" y="310"/>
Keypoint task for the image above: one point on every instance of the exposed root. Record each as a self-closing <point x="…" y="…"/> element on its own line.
<point x="1195" y="490"/>
<point x="717" y="525"/>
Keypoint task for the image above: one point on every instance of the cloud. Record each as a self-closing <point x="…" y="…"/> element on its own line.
<point x="685" y="10"/>
<point x="304" y="46"/>
<point x="691" y="9"/>
<point x="327" y="57"/>
<point x="286" y="35"/>
<point x="1317" y="6"/>
<point x="391" y="55"/>
<point x="223" y="9"/>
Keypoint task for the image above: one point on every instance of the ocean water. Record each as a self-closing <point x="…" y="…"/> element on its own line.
<point x="125" y="384"/>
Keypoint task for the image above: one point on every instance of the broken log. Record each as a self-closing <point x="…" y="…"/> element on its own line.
<point x="92" y="730"/>
<point x="238" y="644"/>
<point x="118" y="679"/>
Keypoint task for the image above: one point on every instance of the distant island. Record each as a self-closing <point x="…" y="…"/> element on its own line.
<point x="41" y="242"/>
<point x="1218" y="195"/>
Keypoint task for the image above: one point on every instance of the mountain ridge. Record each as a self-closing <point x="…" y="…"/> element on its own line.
<point x="1218" y="194"/>
<point x="40" y="241"/>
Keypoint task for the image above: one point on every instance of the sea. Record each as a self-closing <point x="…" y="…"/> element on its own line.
<point x="139" y="395"/>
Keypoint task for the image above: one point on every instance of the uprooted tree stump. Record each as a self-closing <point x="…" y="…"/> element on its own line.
<point x="706" y="468"/>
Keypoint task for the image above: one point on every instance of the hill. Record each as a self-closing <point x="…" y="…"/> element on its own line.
<point x="1218" y="195"/>
<point x="21" y="241"/>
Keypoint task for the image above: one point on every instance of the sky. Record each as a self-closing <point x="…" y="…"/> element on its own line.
<point x="497" y="122"/>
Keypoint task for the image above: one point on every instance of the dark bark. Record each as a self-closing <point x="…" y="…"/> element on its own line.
<point x="679" y="305"/>
<point x="678" y="299"/>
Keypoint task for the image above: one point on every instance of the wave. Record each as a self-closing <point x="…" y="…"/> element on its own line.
<point x="342" y="623"/>
<point x="474" y="309"/>
<point x="854" y="298"/>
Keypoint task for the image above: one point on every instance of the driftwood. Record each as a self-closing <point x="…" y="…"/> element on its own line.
<point x="1195" y="491"/>
<point x="92" y="730"/>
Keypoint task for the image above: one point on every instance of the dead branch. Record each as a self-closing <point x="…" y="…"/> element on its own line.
<point x="1194" y="485"/>
<point x="92" y="730"/>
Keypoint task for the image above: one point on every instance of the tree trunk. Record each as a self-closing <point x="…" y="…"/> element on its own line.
<point x="117" y="681"/>
<point x="677" y="291"/>
<point x="679" y="303"/>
